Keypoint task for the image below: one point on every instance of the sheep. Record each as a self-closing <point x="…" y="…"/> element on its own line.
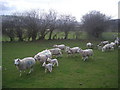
<point x="104" y="43"/>
<point x="86" y="53"/>
<point x="116" y="42"/>
<point x="56" y="51"/>
<point x="113" y="44"/>
<point x="107" y="47"/>
<point x="72" y="50"/>
<point x="89" y="45"/>
<point x="43" y="56"/>
<point x="62" y="46"/>
<point x="47" y="67"/>
<point x="25" y="63"/>
<point x="53" y="61"/>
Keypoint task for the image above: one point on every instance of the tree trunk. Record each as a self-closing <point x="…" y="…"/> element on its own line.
<point x="50" y="35"/>
<point x="66" y="35"/>
<point x="11" y="39"/>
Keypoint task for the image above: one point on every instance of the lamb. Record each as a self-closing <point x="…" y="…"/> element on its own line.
<point x="43" y="56"/>
<point x="53" y="61"/>
<point x="86" y="53"/>
<point x="72" y="50"/>
<point x="62" y="46"/>
<point x="25" y="63"/>
<point x="107" y="47"/>
<point x="56" y="51"/>
<point x="47" y="67"/>
<point x="89" y="45"/>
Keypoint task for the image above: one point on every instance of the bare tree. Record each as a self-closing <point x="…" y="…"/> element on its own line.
<point x="8" y="27"/>
<point x="95" y="23"/>
<point x="67" y="23"/>
<point x="51" y="17"/>
<point x="31" y="20"/>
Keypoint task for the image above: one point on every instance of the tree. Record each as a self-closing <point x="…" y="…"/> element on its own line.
<point x="51" y="17"/>
<point x="67" y="23"/>
<point x="8" y="27"/>
<point x="95" y="23"/>
<point x="31" y="20"/>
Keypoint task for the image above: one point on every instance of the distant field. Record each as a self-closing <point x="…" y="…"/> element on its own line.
<point x="100" y="71"/>
<point x="71" y="35"/>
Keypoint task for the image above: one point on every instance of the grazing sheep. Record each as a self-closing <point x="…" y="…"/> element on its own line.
<point x="107" y="47"/>
<point x="72" y="50"/>
<point x="62" y="46"/>
<point x="25" y="63"/>
<point x="104" y="43"/>
<point x="56" y="51"/>
<point x="47" y="67"/>
<point x="43" y="56"/>
<point x="89" y="45"/>
<point x="86" y="53"/>
<point x="53" y="61"/>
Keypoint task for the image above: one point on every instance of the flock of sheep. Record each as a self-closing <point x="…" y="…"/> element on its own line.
<point x="45" y="56"/>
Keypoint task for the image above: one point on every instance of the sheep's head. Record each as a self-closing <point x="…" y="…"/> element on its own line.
<point x="17" y="62"/>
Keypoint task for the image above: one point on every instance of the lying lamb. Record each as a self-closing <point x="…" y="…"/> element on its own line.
<point x="62" y="46"/>
<point x="72" y="50"/>
<point x="107" y="47"/>
<point x="56" y="51"/>
<point x="86" y="53"/>
<point x="25" y="63"/>
<point x="53" y="61"/>
<point x="47" y="67"/>
<point x="89" y="45"/>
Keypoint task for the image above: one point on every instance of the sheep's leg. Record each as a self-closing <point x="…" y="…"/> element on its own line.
<point x="20" y="73"/>
<point x="85" y="58"/>
<point x="50" y="69"/>
<point x="45" y="70"/>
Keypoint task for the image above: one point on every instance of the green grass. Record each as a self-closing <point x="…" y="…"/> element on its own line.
<point x="100" y="71"/>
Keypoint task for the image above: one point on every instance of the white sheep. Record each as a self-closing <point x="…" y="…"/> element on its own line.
<point x="43" y="56"/>
<point x="104" y="43"/>
<point x="72" y="50"/>
<point x="107" y="47"/>
<point x="113" y="44"/>
<point x="116" y="42"/>
<point x="25" y="63"/>
<point x="53" y="61"/>
<point x="47" y="67"/>
<point x="89" y="45"/>
<point x="86" y="53"/>
<point x="56" y="51"/>
<point x="62" y="46"/>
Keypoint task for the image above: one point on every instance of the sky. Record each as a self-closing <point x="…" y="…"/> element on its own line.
<point x="76" y="8"/>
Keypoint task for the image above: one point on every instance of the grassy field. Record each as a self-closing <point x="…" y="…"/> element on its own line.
<point x="100" y="71"/>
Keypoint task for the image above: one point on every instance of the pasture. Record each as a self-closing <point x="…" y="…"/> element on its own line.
<point x="100" y="71"/>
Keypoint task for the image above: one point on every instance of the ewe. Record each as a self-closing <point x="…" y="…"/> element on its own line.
<point x="25" y="63"/>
